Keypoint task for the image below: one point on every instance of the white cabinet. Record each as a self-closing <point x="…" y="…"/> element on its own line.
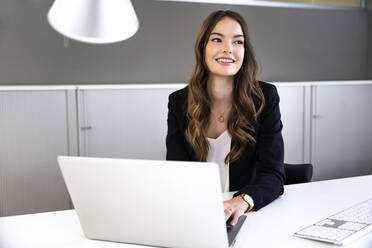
<point x="124" y="123"/>
<point x="33" y="132"/>
<point x="341" y="131"/>
<point x="294" y="114"/>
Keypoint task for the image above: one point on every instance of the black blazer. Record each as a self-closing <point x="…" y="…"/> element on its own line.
<point x="259" y="172"/>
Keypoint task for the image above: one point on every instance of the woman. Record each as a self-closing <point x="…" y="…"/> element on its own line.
<point x="226" y="116"/>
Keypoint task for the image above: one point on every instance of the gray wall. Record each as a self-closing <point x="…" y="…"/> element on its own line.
<point x="369" y="61"/>
<point x="291" y="45"/>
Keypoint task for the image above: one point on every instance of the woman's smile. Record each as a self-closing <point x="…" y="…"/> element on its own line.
<point x="225" y="61"/>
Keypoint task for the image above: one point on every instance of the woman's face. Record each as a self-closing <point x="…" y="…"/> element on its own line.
<point x="224" y="52"/>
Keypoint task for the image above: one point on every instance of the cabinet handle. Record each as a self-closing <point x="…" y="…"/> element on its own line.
<point x="86" y="128"/>
<point x="317" y="116"/>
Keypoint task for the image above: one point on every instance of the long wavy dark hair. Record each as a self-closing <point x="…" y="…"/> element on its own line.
<point x="246" y="91"/>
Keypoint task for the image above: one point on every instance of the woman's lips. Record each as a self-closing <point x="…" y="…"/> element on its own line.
<point x="225" y="61"/>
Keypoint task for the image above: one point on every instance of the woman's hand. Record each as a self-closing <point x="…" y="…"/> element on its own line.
<point x="235" y="208"/>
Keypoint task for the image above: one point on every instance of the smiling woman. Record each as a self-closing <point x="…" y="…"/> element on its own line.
<point x="225" y="115"/>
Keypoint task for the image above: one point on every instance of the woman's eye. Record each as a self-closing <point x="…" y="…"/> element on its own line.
<point x="216" y="40"/>
<point x="239" y="42"/>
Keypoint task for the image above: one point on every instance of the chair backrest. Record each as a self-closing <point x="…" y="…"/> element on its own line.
<point x="298" y="173"/>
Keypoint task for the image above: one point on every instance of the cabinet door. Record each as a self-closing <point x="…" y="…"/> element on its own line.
<point x="33" y="132"/>
<point x="293" y="108"/>
<point x="342" y="131"/>
<point x="124" y="123"/>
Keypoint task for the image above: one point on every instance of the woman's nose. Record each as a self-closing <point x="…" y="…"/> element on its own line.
<point x="227" y="48"/>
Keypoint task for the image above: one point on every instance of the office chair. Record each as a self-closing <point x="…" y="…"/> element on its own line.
<point x="298" y="173"/>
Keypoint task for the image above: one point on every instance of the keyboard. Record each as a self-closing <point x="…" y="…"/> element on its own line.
<point x="343" y="227"/>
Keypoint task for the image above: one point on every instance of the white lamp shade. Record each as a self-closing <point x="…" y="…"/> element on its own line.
<point x="94" y="21"/>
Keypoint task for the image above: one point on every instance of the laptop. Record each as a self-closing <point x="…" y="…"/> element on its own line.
<point x="148" y="202"/>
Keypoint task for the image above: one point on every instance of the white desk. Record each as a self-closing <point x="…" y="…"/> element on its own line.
<point x="272" y="226"/>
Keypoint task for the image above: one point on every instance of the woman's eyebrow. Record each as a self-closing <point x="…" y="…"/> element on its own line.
<point x="219" y="34"/>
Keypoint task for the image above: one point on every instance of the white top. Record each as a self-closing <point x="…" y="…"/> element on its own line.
<point x="218" y="150"/>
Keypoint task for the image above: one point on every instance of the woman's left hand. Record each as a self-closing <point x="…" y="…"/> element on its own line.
<point x="235" y="207"/>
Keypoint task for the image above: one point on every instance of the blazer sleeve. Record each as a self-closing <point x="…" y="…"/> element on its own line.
<point x="175" y="139"/>
<point x="270" y="175"/>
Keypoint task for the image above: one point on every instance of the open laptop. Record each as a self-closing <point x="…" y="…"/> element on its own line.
<point x="156" y="203"/>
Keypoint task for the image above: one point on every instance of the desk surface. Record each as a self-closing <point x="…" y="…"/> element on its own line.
<point x="272" y="226"/>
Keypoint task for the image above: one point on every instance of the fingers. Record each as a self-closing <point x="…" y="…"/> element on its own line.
<point x="236" y="216"/>
<point x="234" y="209"/>
<point x="228" y="212"/>
<point x="234" y="213"/>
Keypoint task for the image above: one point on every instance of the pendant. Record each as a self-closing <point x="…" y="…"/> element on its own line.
<point x="221" y="119"/>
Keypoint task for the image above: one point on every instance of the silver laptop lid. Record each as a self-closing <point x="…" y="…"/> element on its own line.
<point x="158" y="203"/>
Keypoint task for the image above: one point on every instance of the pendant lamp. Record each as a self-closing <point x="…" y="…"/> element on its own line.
<point x="94" y="21"/>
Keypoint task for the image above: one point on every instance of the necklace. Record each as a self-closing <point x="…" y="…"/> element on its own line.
<point x="221" y="116"/>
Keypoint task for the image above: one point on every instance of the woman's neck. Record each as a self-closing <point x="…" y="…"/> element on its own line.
<point x="220" y="91"/>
